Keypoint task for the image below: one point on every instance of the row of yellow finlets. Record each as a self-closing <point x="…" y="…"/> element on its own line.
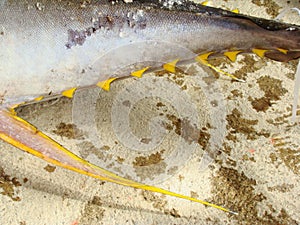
<point x="171" y="66"/>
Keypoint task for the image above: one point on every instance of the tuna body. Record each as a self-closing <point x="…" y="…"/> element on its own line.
<point x="51" y="46"/>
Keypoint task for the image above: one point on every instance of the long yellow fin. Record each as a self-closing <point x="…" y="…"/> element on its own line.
<point x="21" y="134"/>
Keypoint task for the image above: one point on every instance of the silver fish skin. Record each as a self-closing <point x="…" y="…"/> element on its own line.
<point x="53" y="45"/>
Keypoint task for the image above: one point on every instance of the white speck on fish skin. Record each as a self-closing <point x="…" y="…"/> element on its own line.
<point x="121" y="34"/>
<point x="170" y="3"/>
<point x="137" y="16"/>
<point x="40" y="6"/>
<point x="139" y="13"/>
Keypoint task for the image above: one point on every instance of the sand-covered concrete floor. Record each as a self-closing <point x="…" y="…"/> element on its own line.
<point x="160" y="130"/>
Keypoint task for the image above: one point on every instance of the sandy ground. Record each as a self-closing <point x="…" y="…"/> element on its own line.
<point x="163" y="137"/>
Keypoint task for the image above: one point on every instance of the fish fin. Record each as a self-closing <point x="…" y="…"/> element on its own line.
<point x="21" y="134"/>
<point x="235" y="11"/>
<point x="69" y="93"/>
<point x="171" y="66"/>
<point x="284" y="51"/>
<point x="259" y="52"/>
<point x="105" y="85"/>
<point x="139" y="73"/>
<point x="37" y="99"/>
<point x="231" y="55"/>
<point x="203" y="60"/>
<point x="205" y="3"/>
<point x="283" y="56"/>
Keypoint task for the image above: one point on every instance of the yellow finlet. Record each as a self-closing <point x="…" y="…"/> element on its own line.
<point x="105" y="85"/>
<point x="259" y="52"/>
<point x="39" y="98"/>
<point x="69" y="93"/>
<point x="171" y="66"/>
<point x="231" y="55"/>
<point x="139" y="73"/>
<point x="205" y="3"/>
<point x="203" y="57"/>
<point x="235" y="11"/>
<point x="284" y="51"/>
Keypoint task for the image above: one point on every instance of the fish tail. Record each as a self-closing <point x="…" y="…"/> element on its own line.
<point x="18" y="132"/>
<point x="283" y="57"/>
<point x="277" y="41"/>
<point x="285" y="45"/>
